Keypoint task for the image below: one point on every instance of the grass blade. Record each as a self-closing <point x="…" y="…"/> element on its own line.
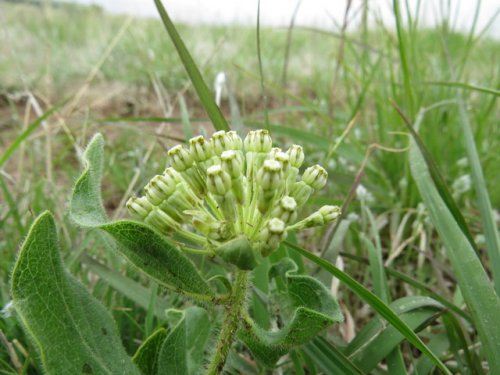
<point x="483" y="200"/>
<point x="395" y="360"/>
<point x="213" y="111"/>
<point x="459" y="345"/>
<point x="168" y="120"/>
<point x="126" y="286"/>
<point x="261" y="69"/>
<point x="417" y="285"/>
<point x="375" y="260"/>
<point x="378" y="342"/>
<point x="186" y="123"/>
<point x="466" y="86"/>
<point x="11" y="202"/>
<point x="329" y="358"/>
<point x="474" y="283"/>
<point x="403" y="55"/>
<point x="30" y="129"/>
<point x="436" y="176"/>
<point x="376" y="303"/>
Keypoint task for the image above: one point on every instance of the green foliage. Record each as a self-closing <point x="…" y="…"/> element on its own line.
<point x="182" y="351"/>
<point x="213" y="111"/>
<point x="378" y="305"/>
<point x="329" y="358"/>
<point x="155" y="256"/>
<point x="375" y="342"/>
<point x="128" y="287"/>
<point x="474" y="283"/>
<point x="313" y="308"/>
<point x="483" y="200"/>
<point x="146" y="357"/>
<point x="141" y="245"/>
<point x="182" y="348"/>
<point x="86" y="207"/>
<point x="26" y="133"/>
<point x="73" y="332"/>
<point x="138" y="94"/>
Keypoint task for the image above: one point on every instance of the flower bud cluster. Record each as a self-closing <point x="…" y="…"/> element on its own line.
<point x="222" y="188"/>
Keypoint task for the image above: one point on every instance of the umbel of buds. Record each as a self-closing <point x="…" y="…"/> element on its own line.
<point x="227" y="196"/>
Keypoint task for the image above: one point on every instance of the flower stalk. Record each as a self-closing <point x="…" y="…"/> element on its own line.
<point x="234" y="308"/>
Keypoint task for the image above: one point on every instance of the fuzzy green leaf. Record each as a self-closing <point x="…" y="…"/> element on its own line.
<point x="86" y="207"/>
<point x="313" y="308"/>
<point x="154" y="255"/>
<point x="73" y="331"/>
<point x="146" y="357"/>
<point x="148" y="250"/>
<point x="182" y="351"/>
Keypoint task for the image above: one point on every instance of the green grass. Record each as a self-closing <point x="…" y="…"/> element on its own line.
<point x="110" y="67"/>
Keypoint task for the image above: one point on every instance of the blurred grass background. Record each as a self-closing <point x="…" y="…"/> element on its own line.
<point x="316" y="82"/>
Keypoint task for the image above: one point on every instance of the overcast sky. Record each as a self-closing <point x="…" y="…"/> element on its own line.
<point x="319" y="13"/>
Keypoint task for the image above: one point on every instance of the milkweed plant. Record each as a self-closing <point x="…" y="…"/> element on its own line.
<point x="210" y="228"/>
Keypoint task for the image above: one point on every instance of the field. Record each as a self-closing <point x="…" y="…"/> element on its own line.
<point x="350" y="98"/>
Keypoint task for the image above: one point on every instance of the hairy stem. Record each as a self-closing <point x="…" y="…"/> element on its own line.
<point x="231" y="323"/>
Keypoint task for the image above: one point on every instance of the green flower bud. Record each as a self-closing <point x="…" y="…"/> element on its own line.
<point x="201" y="220"/>
<point x="323" y="216"/>
<point x="159" y="189"/>
<point x="142" y="209"/>
<point x="182" y="199"/>
<point x="273" y="152"/>
<point x="219" y="142"/>
<point x="258" y="144"/>
<point x="206" y="224"/>
<point x="172" y="175"/>
<point x="223" y="141"/>
<point x="232" y="163"/>
<point x="219" y="231"/>
<point x="269" y="182"/>
<point x="285" y="210"/>
<point x="233" y="141"/>
<point x="180" y="158"/>
<point x="258" y="141"/>
<point x="273" y="233"/>
<point x="201" y="149"/>
<point x="139" y="207"/>
<point x="270" y="175"/>
<point x="162" y="221"/>
<point x="315" y="176"/>
<point x="330" y="213"/>
<point x="301" y="192"/>
<point x="284" y="159"/>
<point x="218" y="181"/>
<point x="296" y="154"/>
